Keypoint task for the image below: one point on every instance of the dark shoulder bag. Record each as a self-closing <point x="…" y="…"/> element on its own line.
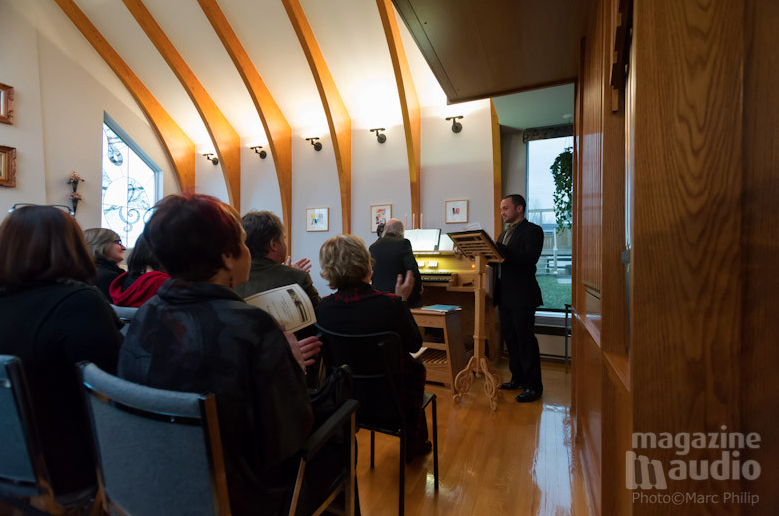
<point x="334" y="391"/>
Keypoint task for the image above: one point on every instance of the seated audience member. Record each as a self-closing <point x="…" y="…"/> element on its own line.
<point x="198" y="335"/>
<point x="393" y="256"/>
<point x="357" y="308"/>
<point x="142" y="279"/>
<point x="51" y="319"/>
<point x="265" y="239"/>
<point x="107" y="251"/>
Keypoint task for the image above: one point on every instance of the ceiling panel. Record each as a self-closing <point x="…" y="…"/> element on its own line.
<point x="481" y="49"/>
<point x="536" y="108"/>
<point x="352" y="40"/>
<point x="118" y="26"/>
<point x="266" y="33"/>
<point x="191" y="33"/>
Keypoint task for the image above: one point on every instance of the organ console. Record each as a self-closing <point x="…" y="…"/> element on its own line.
<point x="451" y="278"/>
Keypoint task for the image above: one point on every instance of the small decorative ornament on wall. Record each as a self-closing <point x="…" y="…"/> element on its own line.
<point x="380" y="214"/>
<point x="456" y="211"/>
<point x="74" y="196"/>
<point x="317" y="219"/>
<point x="7" y="166"/>
<point x="6" y="104"/>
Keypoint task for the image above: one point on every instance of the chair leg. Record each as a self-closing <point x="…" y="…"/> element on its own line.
<point x="435" y="443"/>
<point x="373" y="442"/>
<point x="402" y="466"/>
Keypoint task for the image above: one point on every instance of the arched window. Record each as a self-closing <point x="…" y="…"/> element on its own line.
<point x="130" y="184"/>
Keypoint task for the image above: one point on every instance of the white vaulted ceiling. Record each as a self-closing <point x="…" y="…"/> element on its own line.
<point x="349" y="34"/>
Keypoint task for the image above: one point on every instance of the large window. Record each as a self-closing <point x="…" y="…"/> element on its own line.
<point x="130" y="184"/>
<point x="554" y="266"/>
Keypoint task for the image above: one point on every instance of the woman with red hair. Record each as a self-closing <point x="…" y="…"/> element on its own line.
<point x="198" y="335"/>
<point x="51" y="319"/>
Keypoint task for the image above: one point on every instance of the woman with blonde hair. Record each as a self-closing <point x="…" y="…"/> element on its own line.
<point x="357" y="308"/>
<point x="107" y="251"/>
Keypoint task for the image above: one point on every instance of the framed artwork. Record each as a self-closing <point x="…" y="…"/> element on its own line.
<point x="456" y="211"/>
<point x="380" y="214"/>
<point x="317" y="219"/>
<point x="7" y="166"/>
<point x="6" y="104"/>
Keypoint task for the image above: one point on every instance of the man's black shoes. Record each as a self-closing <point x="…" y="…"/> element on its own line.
<point x="513" y="385"/>
<point x="528" y="396"/>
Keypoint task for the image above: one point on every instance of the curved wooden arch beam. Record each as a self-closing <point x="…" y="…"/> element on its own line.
<point x="226" y="141"/>
<point x="497" y="170"/>
<point x="409" y="104"/>
<point x="338" y="119"/>
<point x="178" y="147"/>
<point x="276" y="126"/>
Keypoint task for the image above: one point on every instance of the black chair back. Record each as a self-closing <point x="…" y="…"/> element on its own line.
<point x="23" y="470"/>
<point x="159" y="452"/>
<point x="375" y="363"/>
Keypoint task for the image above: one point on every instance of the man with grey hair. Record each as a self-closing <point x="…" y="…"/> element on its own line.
<point x="271" y="267"/>
<point x="393" y="257"/>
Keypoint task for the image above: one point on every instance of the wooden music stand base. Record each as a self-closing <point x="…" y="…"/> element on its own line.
<point x="492" y="380"/>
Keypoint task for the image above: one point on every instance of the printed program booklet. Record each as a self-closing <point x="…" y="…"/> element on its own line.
<point x="288" y="305"/>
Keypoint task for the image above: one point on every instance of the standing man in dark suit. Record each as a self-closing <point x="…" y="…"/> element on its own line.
<point x="518" y="295"/>
<point x="393" y="256"/>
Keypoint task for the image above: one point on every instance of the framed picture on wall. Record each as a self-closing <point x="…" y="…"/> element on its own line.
<point x="456" y="211"/>
<point x="317" y="219"/>
<point x="7" y="166"/>
<point x="6" y="104"/>
<point x="380" y="214"/>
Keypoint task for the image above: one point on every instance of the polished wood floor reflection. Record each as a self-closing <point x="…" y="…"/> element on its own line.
<point x="516" y="461"/>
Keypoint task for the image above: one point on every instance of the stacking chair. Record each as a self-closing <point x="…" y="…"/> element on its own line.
<point x="23" y="471"/>
<point x="160" y="452"/>
<point x="375" y="362"/>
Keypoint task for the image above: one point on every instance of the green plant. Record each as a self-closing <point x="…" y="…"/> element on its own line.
<point x="562" y="173"/>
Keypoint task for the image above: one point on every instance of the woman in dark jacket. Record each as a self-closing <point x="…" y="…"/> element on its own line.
<point x="51" y="319"/>
<point x="358" y="308"/>
<point x="106" y="249"/>
<point x="198" y="335"/>
<point x="143" y="278"/>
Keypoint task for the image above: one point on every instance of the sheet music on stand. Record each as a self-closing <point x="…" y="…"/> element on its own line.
<point x="477" y="242"/>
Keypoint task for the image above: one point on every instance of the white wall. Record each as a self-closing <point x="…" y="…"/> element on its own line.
<point x="458" y="166"/>
<point x="513" y="162"/>
<point x="63" y="88"/>
<point x="26" y="134"/>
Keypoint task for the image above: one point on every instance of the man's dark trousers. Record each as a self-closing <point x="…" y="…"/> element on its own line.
<point x="518" y="325"/>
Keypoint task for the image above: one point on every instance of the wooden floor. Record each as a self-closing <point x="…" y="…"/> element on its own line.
<point x="516" y="461"/>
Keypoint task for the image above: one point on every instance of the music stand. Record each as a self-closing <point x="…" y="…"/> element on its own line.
<point x="478" y="245"/>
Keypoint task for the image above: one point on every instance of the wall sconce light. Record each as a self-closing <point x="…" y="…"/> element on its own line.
<point x="317" y="145"/>
<point x="262" y="153"/>
<point x="456" y="126"/>
<point x="210" y="157"/>
<point x="380" y="137"/>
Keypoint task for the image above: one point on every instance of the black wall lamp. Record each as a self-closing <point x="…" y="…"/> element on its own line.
<point x="381" y="138"/>
<point x="210" y="157"/>
<point x="317" y="145"/>
<point x="456" y="126"/>
<point x="262" y="153"/>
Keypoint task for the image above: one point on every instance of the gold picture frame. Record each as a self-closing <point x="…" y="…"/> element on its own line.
<point x="456" y="211"/>
<point x="6" y="104"/>
<point x="317" y="219"/>
<point x="380" y="214"/>
<point x="7" y="166"/>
